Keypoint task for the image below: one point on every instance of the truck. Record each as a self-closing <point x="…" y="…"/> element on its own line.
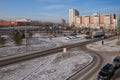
<point x="97" y="34"/>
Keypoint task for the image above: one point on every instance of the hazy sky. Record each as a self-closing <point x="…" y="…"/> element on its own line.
<point x="54" y="10"/>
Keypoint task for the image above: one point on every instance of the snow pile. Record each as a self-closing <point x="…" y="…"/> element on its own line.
<point x="109" y="45"/>
<point x="53" y="67"/>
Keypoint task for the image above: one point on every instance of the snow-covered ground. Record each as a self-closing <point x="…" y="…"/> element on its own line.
<point x="53" y="67"/>
<point x="109" y="45"/>
<point x="37" y="43"/>
<point x="34" y="44"/>
<point x="69" y="39"/>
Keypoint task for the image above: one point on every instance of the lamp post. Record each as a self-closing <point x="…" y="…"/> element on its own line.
<point x="26" y="37"/>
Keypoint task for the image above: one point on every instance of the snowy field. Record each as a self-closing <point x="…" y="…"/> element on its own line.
<point x="109" y="45"/>
<point x="34" y="44"/>
<point x="37" y="43"/>
<point x="57" y="66"/>
<point x="53" y="67"/>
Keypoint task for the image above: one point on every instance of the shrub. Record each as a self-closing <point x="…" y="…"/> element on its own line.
<point x="17" y="38"/>
<point x="2" y="41"/>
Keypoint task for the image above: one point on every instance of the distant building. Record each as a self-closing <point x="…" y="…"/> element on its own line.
<point x="119" y="22"/>
<point x="72" y="14"/>
<point x="106" y="21"/>
<point x="4" y="23"/>
<point x="21" y="22"/>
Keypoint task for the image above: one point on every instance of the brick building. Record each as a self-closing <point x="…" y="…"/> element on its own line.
<point x="22" y="22"/>
<point x="4" y="23"/>
<point x="95" y="20"/>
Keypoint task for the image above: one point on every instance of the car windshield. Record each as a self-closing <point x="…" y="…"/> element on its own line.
<point x="103" y="73"/>
<point x="107" y="67"/>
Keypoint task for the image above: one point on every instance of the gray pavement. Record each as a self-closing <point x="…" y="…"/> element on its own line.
<point x="107" y="58"/>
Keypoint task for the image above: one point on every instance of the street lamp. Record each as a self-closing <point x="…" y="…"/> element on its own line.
<point x="26" y="37"/>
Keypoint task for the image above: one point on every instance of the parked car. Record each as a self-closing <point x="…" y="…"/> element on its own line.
<point x="87" y="37"/>
<point x="116" y="62"/>
<point x="106" y="72"/>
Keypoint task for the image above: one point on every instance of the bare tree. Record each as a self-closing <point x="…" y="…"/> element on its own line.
<point x="36" y="23"/>
<point x="63" y="22"/>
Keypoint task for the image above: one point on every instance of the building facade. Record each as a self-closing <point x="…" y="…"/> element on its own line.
<point x="4" y="23"/>
<point x="22" y="22"/>
<point x="72" y="14"/>
<point x="95" y="20"/>
<point x="118" y="22"/>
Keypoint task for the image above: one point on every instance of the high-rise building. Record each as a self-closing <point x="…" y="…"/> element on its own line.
<point x="119" y="17"/>
<point x="95" y="20"/>
<point x="119" y="22"/>
<point x="72" y="14"/>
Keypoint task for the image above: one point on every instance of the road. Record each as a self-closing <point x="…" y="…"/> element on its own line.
<point x="94" y="67"/>
<point x="91" y="69"/>
<point x="100" y="59"/>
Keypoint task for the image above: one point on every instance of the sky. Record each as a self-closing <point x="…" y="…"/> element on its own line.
<point x="54" y="10"/>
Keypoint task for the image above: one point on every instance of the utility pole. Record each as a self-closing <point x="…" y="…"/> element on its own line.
<point x="26" y="37"/>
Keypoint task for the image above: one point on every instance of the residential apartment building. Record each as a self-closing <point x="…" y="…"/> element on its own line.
<point x="95" y="20"/>
<point x="72" y="14"/>
<point x="118" y="23"/>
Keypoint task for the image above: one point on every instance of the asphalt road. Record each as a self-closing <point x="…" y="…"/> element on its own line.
<point x="91" y="69"/>
<point x="100" y="59"/>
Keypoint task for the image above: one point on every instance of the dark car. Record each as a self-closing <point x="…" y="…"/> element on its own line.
<point x="106" y="72"/>
<point x="116" y="62"/>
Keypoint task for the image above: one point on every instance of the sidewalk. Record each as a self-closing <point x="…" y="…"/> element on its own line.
<point x="109" y="46"/>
